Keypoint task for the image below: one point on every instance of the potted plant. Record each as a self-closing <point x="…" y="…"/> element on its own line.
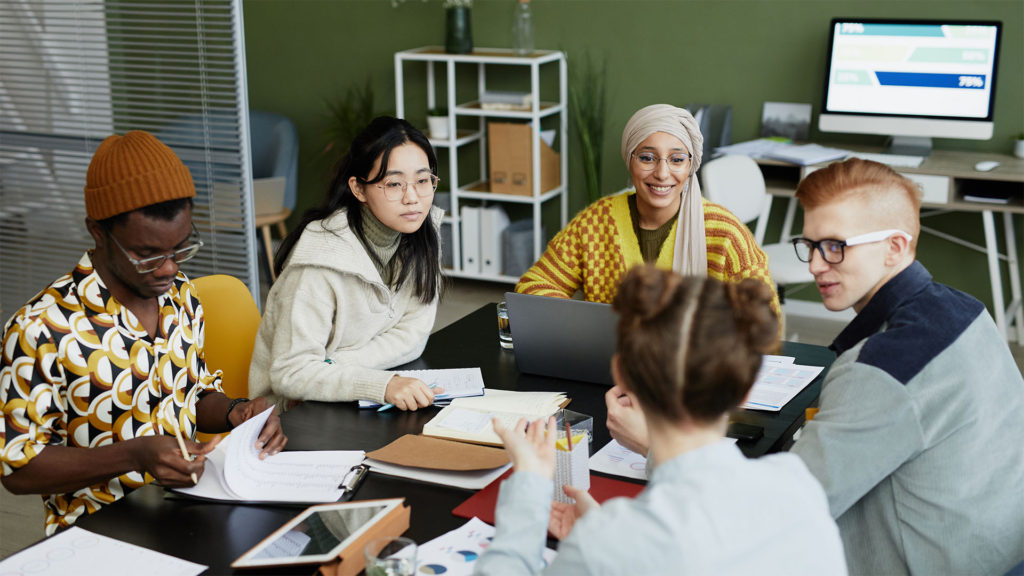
<point x="437" y="123"/>
<point x="587" y="104"/>
<point x="1018" y="146"/>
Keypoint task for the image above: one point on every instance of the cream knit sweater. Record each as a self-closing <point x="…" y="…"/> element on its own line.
<point x="331" y="326"/>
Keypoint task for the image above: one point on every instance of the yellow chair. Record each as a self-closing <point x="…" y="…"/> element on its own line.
<point x="232" y="319"/>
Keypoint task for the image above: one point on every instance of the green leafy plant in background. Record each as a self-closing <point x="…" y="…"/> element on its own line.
<point x="346" y="117"/>
<point x="587" y="105"/>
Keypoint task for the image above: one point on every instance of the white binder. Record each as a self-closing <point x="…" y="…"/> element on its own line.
<point x="493" y="221"/>
<point x="470" y="216"/>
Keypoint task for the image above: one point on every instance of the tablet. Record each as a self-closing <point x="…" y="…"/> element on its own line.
<point x="318" y="534"/>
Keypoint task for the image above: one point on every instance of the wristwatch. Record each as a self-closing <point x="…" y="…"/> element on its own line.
<point x="227" y="415"/>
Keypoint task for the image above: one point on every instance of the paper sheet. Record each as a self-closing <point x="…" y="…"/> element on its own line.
<point x="234" y="470"/>
<point x="457" y="383"/>
<point x="83" y="553"/>
<point x="614" y="458"/>
<point x="777" y="384"/>
<point x="469" y="479"/>
<point x="455" y="553"/>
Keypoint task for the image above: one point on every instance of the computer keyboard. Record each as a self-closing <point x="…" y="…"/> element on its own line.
<point x="891" y="159"/>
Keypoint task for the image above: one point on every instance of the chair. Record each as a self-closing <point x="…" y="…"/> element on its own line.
<point x="736" y="183"/>
<point x="274" y="142"/>
<point x="232" y="319"/>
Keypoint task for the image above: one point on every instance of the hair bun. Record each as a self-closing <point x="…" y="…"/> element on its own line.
<point x="644" y="293"/>
<point x="751" y="303"/>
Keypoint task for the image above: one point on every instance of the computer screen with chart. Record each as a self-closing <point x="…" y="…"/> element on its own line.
<point x="911" y="79"/>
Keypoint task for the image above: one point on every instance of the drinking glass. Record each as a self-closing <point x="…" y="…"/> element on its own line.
<point x="504" y="330"/>
<point x="390" y="556"/>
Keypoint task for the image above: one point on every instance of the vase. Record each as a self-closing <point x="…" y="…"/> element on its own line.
<point x="1018" y="148"/>
<point x="458" y="34"/>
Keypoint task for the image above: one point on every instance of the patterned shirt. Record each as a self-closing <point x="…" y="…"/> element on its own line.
<point x="78" y="369"/>
<point x="596" y="249"/>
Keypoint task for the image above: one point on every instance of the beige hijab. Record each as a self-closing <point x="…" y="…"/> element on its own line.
<point x="690" y="257"/>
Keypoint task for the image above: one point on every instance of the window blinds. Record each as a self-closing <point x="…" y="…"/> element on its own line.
<point x="74" y="72"/>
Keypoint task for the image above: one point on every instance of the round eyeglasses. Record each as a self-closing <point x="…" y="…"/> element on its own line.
<point x="395" y="188"/>
<point x="833" y="251"/>
<point x="149" y="265"/>
<point x="648" y="161"/>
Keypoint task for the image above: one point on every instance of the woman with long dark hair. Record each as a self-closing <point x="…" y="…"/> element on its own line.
<point x="358" y="279"/>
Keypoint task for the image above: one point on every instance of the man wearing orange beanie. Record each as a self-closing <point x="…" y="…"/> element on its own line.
<point x="102" y="369"/>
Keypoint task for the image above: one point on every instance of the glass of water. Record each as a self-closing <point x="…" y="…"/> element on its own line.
<point x="390" y="556"/>
<point x="504" y="331"/>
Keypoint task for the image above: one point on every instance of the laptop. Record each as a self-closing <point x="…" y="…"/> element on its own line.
<point x="560" y="338"/>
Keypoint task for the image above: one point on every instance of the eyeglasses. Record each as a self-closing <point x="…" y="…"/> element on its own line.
<point x="395" y="189"/>
<point x="833" y="251"/>
<point x="675" y="162"/>
<point x="148" y="265"/>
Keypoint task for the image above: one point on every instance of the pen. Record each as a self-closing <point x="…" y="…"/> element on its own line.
<point x="389" y="405"/>
<point x="353" y="480"/>
<point x="568" y="431"/>
<point x="184" y="451"/>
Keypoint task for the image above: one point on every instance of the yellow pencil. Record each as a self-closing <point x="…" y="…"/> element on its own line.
<point x="184" y="451"/>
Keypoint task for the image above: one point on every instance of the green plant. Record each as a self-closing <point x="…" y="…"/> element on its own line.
<point x="347" y="116"/>
<point x="587" y="105"/>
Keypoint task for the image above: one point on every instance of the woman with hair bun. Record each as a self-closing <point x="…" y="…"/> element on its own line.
<point x="689" y="350"/>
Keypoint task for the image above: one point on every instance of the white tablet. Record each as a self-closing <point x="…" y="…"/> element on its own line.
<point x="318" y="534"/>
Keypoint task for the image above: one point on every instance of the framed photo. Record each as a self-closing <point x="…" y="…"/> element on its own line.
<point x="786" y="120"/>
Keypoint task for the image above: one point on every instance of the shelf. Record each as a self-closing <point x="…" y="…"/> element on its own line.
<point x="461" y="137"/>
<point x="474" y="109"/>
<point x="481" y="190"/>
<point x="478" y="276"/>
<point x="479" y="56"/>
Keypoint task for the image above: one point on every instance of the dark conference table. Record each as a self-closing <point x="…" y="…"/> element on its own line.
<point x="216" y="534"/>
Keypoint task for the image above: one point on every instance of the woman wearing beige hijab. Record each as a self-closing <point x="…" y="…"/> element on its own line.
<point x="665" y="222"/>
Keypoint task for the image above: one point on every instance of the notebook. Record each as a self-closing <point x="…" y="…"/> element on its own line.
<point x="560" y="338"/>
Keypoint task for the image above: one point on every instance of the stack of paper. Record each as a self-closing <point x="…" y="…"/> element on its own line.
<point x="456" y="553"/>
<point x="806" y="154"/>
<point x="778" y="382"/>
<point x="235" y="472"/>
<point x="469" y="419"/>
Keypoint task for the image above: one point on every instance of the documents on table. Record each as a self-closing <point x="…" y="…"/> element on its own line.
<point x="83" y="553"/>
<point x="457" y="383"/>
<point x="455" y="553"/>
<point x="614" y="458"/>
<point x="469" y="419"/>
<point x="778" y="382"/>
<point x="234" y="471"/>
<point x="784" y="150"/>
<point x="440" y="461"/>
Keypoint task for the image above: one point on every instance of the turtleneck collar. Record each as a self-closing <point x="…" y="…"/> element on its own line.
<point x="382" y="242"/>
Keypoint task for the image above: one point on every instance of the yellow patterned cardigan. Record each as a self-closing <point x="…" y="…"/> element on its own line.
<point x="597" y="248"/>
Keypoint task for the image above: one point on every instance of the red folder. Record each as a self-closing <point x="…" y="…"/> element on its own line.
<point x="482" y="503"/>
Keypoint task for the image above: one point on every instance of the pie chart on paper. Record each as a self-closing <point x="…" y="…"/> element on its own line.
<point x="432" y="569"/>
<point x="465" y="555"/>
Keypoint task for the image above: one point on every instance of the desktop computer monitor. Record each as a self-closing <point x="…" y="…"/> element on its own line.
<point x="911" y="79"/>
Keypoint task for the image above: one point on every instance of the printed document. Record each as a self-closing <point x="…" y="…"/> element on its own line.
<point x="777" y="383"/>
<point x="235" y="472"/>
<point x="457" y="383"/>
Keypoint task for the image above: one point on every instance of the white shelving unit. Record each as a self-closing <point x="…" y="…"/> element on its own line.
<point x="435" y="57"/>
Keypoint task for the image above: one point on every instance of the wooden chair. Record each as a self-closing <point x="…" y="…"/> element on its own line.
<point x="232" y="320"/>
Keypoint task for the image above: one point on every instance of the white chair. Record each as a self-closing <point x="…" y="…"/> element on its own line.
<point x="736" y="183"/>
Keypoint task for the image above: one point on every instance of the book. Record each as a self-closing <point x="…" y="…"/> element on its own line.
<point x="469" y="419"/>
<point x="234" y="471"/>
<point x="439" y="461"/>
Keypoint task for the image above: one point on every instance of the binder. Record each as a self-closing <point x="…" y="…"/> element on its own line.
<point x="493" y="221"/>
<point x="470" y="217"/>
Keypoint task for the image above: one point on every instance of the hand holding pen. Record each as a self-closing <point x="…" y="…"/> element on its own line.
<point x="409" y="393"/>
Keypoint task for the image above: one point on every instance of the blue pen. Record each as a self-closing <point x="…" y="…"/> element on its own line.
<point x="389" y="406"/>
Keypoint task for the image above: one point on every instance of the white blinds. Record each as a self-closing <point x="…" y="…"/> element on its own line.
<point x="72" y="73"/>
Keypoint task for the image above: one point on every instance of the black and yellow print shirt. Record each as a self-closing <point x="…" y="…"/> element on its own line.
<point x="78" y="369"/>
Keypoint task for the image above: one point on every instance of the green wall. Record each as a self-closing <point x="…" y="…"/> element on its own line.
<point x="303" y="54"/>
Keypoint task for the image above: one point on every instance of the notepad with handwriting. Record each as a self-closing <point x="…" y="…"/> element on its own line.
<point x="469" y="419"/>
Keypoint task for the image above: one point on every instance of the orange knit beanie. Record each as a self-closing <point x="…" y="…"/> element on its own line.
<point x="132" y="171"/>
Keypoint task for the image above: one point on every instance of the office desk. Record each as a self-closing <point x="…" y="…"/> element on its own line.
<point x="216" y="534"/>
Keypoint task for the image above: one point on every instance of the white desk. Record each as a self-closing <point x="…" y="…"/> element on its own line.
<point x="945" y="177"/>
